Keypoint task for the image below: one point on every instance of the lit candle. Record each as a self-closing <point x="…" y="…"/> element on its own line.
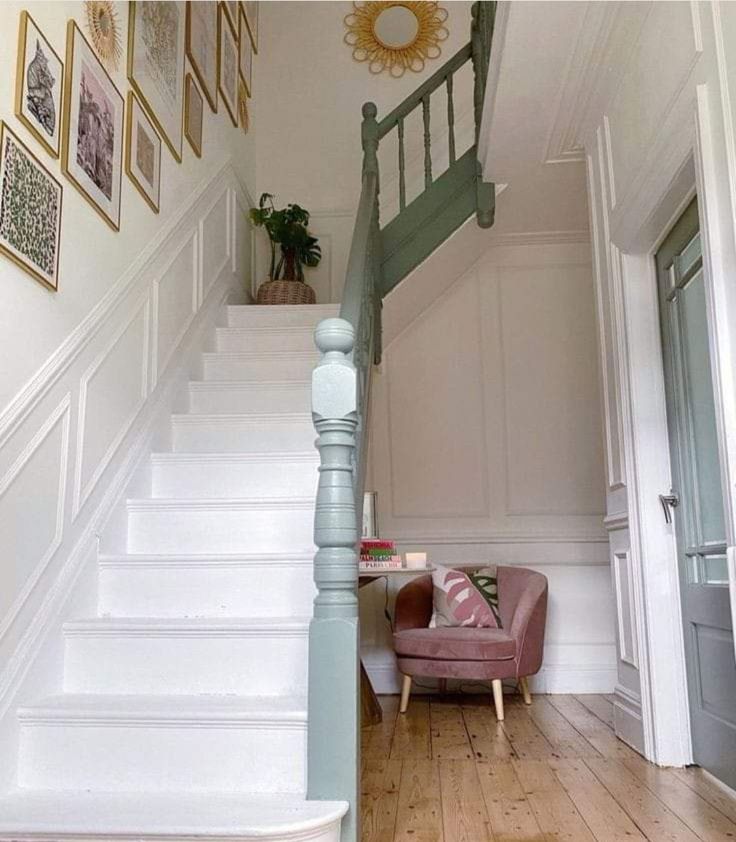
<point x="416" y="561"/>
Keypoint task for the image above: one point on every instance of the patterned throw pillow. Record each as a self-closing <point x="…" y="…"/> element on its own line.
<point x="465" y="599"/>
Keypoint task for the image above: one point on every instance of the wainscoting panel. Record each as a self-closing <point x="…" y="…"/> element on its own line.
<point x="214" y="232"/>
<point x="111" y="393"/>
<point x="175" y="301"/>
<point x="73" y="436"/>
<point x="32" y="501"/>
<point x="486" y="447"/>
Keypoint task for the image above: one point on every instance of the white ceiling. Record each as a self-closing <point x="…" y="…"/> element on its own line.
<point x="528" y="138"/>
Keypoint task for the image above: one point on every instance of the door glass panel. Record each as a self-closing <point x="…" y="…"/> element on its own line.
<point x="714" y="570"/>
<point x="702" y="433"/>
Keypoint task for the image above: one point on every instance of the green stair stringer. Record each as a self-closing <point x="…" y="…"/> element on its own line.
<point x="429" y="220"/>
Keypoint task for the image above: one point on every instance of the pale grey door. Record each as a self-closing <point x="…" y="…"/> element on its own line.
<point x="697" y="499"/>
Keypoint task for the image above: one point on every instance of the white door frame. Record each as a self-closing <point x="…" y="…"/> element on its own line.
<point x="691" y="166"/>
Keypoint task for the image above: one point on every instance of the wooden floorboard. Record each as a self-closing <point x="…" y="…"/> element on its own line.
<point x="447" y="771"/>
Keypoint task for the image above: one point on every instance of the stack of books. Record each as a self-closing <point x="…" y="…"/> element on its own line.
<point x="376" y="554"/>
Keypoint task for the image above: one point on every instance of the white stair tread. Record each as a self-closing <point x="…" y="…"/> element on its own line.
<point x="261" y="356"/>
<point x="164" y="457"/>
<point x="185" y="625"/>
<point x="86" y="707"/>
<point x="230" y="385"/>
<point x="166" y="559"/>
<point x="212" y="503"/>
<point x="25" y="813"/>
<point x="240" y="417"/>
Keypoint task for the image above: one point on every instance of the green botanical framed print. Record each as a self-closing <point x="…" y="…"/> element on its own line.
<point x="39" y="82"/>
<point x="30" y="211"/>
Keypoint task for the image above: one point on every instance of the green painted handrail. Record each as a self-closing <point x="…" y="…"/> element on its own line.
<point x="341" y="385"/>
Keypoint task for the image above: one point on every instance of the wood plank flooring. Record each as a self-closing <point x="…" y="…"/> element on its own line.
<point x="446" y="771"/>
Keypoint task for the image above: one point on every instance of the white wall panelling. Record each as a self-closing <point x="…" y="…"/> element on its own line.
<point x="124" y="370"/>
<point x="653" y="130"/>
<point x="496" y="378"/>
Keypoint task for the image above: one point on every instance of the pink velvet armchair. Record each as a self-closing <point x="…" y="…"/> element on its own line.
<point x="513" y="651"/>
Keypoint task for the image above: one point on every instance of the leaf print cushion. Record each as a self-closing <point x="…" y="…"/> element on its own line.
<point x="465" y="598"/>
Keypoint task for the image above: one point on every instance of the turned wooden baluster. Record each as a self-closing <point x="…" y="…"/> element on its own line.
<point x="450" y="119"/>
<point x="427" y="143"/>
<point x="402" y="166"/>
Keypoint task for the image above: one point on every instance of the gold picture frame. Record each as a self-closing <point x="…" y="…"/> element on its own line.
<point x="173" y="132"/>
<point x="192" y="95"/>
<point x="14" y="254"/>
<point x="231" y="10"/>
<point x="229" y="58"/>
<point x="54" y="83"/>
<point x="75" y="169"/>
<point x="245" y="54"/>
<point x="200" y="72"/>
<point x="250" y="7"/>
<point x="135" y="115"/>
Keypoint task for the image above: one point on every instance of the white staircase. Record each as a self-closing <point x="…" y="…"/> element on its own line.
<point x="183" y="712"/>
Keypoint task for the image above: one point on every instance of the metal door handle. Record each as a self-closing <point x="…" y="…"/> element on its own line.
<point x="669" y="501"/>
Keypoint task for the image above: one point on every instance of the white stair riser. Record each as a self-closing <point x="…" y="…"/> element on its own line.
<point x="191" y="435"/>
<point x="244" y="479"/>
<point x="219" y="530"/>
<point x="162" y="757"/>
<point x="245" y="315"/>
<point x="221" y="367"/>
<point x="268" y="397"/>
<point x="202" y="590"/>
<point x="261" y="341"/>
<point x="226" y="663"/>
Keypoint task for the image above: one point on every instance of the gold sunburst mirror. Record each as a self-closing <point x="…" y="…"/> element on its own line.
<point x="104" y="31"/>
<point x="396" y="35"/>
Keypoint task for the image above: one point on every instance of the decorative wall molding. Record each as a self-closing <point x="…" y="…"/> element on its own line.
<point x="60" y="415"/>
<point x="82" y="490"/>
<point x="628" y="634"/>
<point x="616" y="521"/>
<point x="38" y="385"/>
<point x="128" y="437"/>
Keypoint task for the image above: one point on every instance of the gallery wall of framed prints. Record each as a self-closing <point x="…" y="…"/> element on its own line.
<point x="181" y="59"/>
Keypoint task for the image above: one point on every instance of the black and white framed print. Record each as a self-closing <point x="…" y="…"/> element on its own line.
<point x="92" y="135"/>
<point x="39" y="83"/>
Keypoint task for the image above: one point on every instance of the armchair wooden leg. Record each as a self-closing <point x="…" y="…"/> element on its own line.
<point x="443" y="686"/>
<point x="497" y="685"/>
<point x="524" y="687"/>
<point x="405" y="690"/>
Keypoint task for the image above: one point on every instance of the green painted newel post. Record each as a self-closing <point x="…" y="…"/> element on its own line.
<point x="334" y="712"/>
<point x="481" y="33"/>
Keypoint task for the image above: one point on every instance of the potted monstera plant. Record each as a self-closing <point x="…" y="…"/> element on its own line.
<point x="292" y="248"/>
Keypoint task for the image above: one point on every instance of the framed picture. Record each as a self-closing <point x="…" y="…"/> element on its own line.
<point x="92" y="135"/>
<point x="156" y="36"/>
<point x="251" y="19"/>
<point x="229" y="59"/>
<point x="143" y="153"/>
<point x="39" y="84"/>
<point x="30" y="211"/>
<point x="202" y="44"/>
<point x="193" y="115"/>
<point x="231" y="10"/>
<point x="245" y="55"/>
<point x="243" y="107"/>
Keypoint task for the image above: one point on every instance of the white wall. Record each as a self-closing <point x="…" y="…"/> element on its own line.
<point x="486" y="442"/>
<point x="311" y="92"/>
<point x="92" y="255"/>
<point x="88" y="368"/>
<point x="659" y="86"/>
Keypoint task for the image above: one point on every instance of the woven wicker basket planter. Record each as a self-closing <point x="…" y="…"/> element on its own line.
<point x="285" y="292"/>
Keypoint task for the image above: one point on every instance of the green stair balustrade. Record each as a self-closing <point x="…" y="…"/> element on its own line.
<point x="341" y="385"/>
